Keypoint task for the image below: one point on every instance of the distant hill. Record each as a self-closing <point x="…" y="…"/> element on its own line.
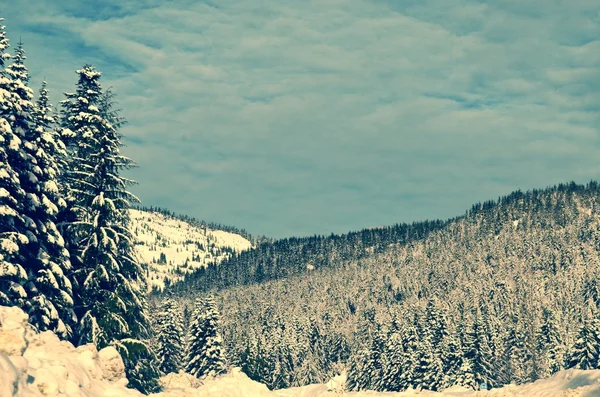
<point x="173" y="247"/>
<point x="508" y="292"/>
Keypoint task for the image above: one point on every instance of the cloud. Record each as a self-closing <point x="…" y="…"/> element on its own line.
<point x="295" y="118"/>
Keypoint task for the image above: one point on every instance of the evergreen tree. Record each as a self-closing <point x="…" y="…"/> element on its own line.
<point x="109" y="282"/>
<point x="205" y="356"/>
<point x="466" y="375"/>
<point x="410" y="361"/>
<point x="430" y="370"/>
<point x="255" y="361"/>
<point x="477" y="351"/>
<point x="357" y="378"/>
<point x="108" y="278"/>
<point x="170" y="343"/>
<point x="49" y="139"/>
<point x="392" y="364"/>
<point x="452" y="360"/>
<point x="432" y="367"/>
<point x="366" y="359"/>
<point x="141" y="366"/>
<point x="437" y="325"/>
<point x="30" y="225"/>
<point x="13" y="231"/>
<point x="517" y="356"/>
<point x="549" y="346"/>
<point x="585" y="353"/>
<point x="374" y="365"/>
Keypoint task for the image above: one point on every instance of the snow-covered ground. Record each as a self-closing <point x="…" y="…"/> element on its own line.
<point x="34" y="365"/>
<point x="185" y="247"/>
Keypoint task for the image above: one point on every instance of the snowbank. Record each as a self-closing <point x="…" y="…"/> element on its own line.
<point x="33" y="364"/>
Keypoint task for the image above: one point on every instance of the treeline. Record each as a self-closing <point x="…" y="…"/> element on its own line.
<point x="66" y="251"/>
<point x="203" y="224"/>
<point x="271" y="260"/>
<point x="294" y="256"/>
<point x="509" y="293"/>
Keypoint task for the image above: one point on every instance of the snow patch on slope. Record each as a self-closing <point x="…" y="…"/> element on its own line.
<point x="184" y="247"/>
<point x="39" y="364"/>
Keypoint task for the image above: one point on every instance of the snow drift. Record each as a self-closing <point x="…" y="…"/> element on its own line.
<point x="39" y="364"/>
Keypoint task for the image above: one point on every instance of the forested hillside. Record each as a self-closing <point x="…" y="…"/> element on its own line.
<point x="297" y="255"/>
<point x="507" y="293"/>
<point x="172" y="247"/>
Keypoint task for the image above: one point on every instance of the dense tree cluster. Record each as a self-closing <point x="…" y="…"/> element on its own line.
<point x="507" y="293"/>
<point x="66" y="251"/>
<point x="280" y="259"/>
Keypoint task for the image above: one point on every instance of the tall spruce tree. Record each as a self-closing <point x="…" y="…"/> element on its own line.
<point x="452" y="358"/>
<point x="12" y="196"/>
<point x="517" y="355"/>
<point x="109" y="282"/>
<point x="357" y="378"/>
<point x="205" y="356"/>
<point x="477" y="351"/>
<point x="45" y="293"/>
<point x="170" y="337"/>
<point x="585" y="352"/>
<point x="410" y="359"/>
<point x="392" y="362"/>
<point x="549" y="346"/>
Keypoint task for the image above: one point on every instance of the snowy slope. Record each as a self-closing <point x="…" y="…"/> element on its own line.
<point x="33" y="365"/>
<point x="185" y="247"/>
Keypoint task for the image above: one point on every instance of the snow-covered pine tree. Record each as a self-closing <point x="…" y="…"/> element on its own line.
<point x="366" y="364"/>
<point x="141" y="366"/>
<point x="477" y="351"/>
<point x="430" y="368"/>
<point x="170" y="337"/>
<point x="254" y="360"/>
<point x="465" y="375"/>
<point x="356" y="377"/>
<point x="12" y="196"/>
<point x="375" y="362"/>
<point x="518" y="359"/>
<point x="410" y="359"/>
<point x="109" y="282"/>
<point x="205" y="356"/>
<point x="550" y="350"/>
<point x="392" y="363"/>
<point x="42" y="253"/>
<point x="452" y="358"/>
<point x="430" y="356"/>
<point x="585" y="353"/>
<point x="437" y="324"/>
<point x="50" y="140"/>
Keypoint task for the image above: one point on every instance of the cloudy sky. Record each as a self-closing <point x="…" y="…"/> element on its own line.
<point x="311" y="117"/>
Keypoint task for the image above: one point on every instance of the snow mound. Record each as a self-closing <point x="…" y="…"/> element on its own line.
<point x="233" y="384"/>
<point x="39" y="364"/>
<point x="172" y="247"/>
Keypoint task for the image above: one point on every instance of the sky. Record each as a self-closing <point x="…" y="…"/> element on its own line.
<point x="294" y="118"/>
